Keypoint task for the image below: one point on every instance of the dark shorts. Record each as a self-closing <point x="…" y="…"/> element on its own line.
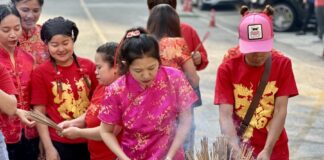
<point x="72" y="151"/>
<point x="25" y="149"/>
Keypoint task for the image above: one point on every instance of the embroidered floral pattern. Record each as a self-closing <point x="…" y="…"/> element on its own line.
<point x="148" y="116"/>
<point x="174" y="52"/>
<point x="32" y="44"/>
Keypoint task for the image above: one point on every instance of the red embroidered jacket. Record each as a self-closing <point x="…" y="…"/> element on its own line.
<point x="31" y="43"/>
<point x="20" y="72"/>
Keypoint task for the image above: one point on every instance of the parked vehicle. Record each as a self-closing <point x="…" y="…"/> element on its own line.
<point x="207" y="4"/>
<point x="288" y="13"/>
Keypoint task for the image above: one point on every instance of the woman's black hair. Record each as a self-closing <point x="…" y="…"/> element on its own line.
<point x="107" y="51"/>
<point x="153" y="3"/>
<point x="40" y="2"/>
<point x="58" y="25"/>
<point x="6" y="10"/>
<point x="164" y="22"/>
<point x="137" y="44"/>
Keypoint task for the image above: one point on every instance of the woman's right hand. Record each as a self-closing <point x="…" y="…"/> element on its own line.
<point x="65" y="124"/>
<point x="71" y="132"/>
<point x="52" y="154"/>
<point x="77" y="122"/>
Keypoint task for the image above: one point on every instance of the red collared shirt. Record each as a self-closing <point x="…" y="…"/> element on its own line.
<point x="32" y="44"/>
<point x="20" y="73"/>
<point x="6" y="83"/>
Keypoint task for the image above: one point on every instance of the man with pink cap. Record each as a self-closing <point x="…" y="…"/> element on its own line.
<point x="238" y="79"/>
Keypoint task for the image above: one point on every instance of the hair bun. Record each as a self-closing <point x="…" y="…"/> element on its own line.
<point x="268" y="10"/>
<point x="244" y="10"/>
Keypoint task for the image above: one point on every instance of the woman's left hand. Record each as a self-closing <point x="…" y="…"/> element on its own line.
<point x="22" y="114"/>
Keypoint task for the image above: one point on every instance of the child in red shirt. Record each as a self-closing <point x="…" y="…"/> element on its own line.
<point x="178" y="42"/>
<point x="87" y="126"/>
<point x="238" y="79"/>
<point x="62" y="88"/>
<point x="190" y="35"/>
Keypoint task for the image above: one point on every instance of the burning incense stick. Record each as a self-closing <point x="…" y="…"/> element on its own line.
<point x="41" y="118"/>
<point x="219" y="151"/>
<point x="203" y="40"/>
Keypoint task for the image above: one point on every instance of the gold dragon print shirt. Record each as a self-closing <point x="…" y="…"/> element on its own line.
<point x="237" y="83"/>
<point x="69" y="102"/>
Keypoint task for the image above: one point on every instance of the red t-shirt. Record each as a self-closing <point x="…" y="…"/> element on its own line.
<point x="236" y="84"/>
<point x="20" y="73"/>
<point x="6" y="84"/>
<point x="75" y="96"/>
<point x="98" y="149"/>
<point x="191" y="37"/>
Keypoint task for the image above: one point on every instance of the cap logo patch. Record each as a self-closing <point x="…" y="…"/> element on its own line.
<point x="255" y="31"/>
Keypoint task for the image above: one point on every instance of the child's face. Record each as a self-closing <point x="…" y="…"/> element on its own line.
<point x="29" y="11"/>
<point x="144" y="70"/>
<point x="256" y="59"/>
<point x="61" y="49"/>
<point x="105" y="73"/>
<point x="10" y="31"/>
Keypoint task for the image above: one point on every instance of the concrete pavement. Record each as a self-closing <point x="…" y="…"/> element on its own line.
<point x="102" y="20"/>
<point x="303" y="122"/>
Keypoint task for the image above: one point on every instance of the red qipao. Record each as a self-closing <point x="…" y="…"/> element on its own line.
<point x="20" y="73"/>
<point x="237" y="83"/>
<point x="6" y="84"/>
<point x="72" y="101"/>
<point x="148" y="116"/>
<point x="192" y="39"/>
<point x="98" y="149"/>
<point x="32" y="44"/>
<point x="174" y="52"/>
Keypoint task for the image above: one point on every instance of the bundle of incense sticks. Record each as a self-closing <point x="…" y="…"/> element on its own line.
<point x="219" y="151"/>
<point x="41" y="118"/>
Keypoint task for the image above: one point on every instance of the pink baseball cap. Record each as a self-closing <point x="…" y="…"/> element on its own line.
<point x="255" y="33"/>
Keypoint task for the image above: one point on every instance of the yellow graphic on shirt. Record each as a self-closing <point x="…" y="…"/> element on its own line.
<point x="69" y="107"/>
<point x="243" y="97"/>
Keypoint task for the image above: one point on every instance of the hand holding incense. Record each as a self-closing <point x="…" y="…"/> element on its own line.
<point x="41" y="118"/>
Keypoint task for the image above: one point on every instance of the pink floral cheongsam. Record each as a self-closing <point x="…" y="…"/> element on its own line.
<point x="148" y="116"/>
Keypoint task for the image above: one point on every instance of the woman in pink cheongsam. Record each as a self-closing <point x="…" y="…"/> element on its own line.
<point x="147" y="101"/>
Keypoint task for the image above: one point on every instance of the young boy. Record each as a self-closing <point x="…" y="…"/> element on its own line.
<point x="237" y="81"/>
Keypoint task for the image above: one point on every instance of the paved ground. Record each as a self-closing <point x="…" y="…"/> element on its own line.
<point x="101" y="20"/>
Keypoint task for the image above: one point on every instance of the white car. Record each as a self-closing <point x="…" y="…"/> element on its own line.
<point x="206" y="4"/>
